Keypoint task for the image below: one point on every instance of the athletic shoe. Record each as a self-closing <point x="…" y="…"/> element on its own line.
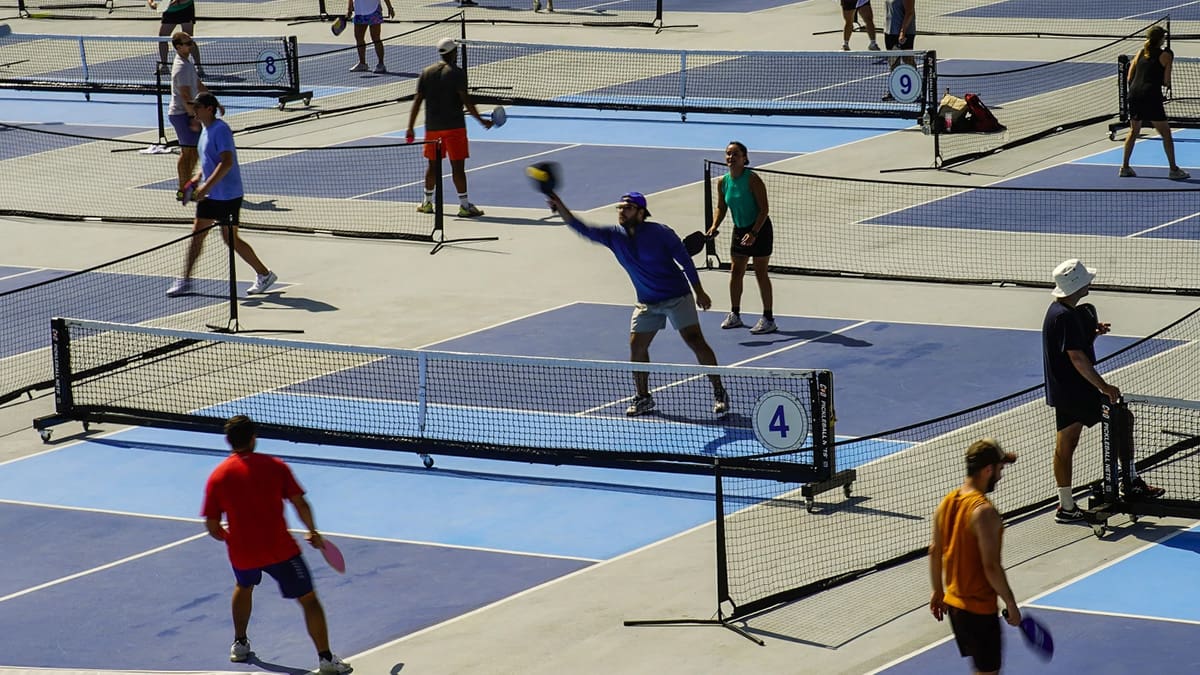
<point x="549" y="5"/>
<point x="537" y="5"/>
<point x="721" y="403"/>
<point x="1064" y="516"/>
<point x="381" y="69"/>
<point x="359" y="68"/>
<point x="732" y="320"/>
<point x="1139" y="489"/>
<point x="180" y="287"/>
<point x="640" y="406"/>
<point x="262" y="283"/>
<point x="164" y="69"/>
<point x="239" y="651"/>
<point x="887" y="98"/>
<point x="1179" y="174"/>
<point x="873" y="47"/>
<point x="469" y="211"/>
<point x="1127" y="172"/>
<point x="845" y="46"/>
<point x="468" y="3"/>
<point x="425" y="207"/>
<point x="764" y="325"/>
<point x="334" y="665"/>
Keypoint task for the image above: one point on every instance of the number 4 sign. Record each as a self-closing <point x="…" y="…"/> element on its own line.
<point x="780" y="421"/>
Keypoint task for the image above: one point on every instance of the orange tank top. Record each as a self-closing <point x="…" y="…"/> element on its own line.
<point x="967" y="586"/>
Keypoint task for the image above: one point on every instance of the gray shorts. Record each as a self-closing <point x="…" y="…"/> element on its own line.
<point x="653" y="317"/>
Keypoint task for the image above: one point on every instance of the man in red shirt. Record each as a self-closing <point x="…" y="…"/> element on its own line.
<point x="249" y="489"/>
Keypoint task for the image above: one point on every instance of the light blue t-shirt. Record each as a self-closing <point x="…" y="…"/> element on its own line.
<point x="215" y="139"/>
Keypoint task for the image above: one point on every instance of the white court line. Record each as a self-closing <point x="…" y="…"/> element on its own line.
<point x="33" y="270"/>
<point x="1159" y="227"/>
<point x="101" y="568"/>
<point x="1157" y="11"/>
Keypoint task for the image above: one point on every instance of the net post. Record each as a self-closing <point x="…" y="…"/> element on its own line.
<point x="232" y="324"/>
<point x="1109" y="442"/>
<point x="321" y="10"/>
<point x="158" y="95"/>
<point x="439" y="232"/>
<point x="60" y="338"/>
<point x="710" y="245"/>
<point x="291" y="52"/>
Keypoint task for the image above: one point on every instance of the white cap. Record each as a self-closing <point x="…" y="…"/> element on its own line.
<point x="446" y="45"/>
<point x="1070" y="277"/>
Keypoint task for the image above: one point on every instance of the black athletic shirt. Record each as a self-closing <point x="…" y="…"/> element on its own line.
<point x="1062" y="330"/>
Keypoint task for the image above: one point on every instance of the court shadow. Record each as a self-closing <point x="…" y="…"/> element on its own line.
<point x="784" y="336"/>
<point x="288" y="301"/>
<point x="276" y="667"/>
<point x="265" y="205"/>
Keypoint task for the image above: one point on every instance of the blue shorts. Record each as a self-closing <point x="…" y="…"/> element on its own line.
<point x="292" y="575"/>
<point x="187" y="137"/>
<point x="373" y="19"/>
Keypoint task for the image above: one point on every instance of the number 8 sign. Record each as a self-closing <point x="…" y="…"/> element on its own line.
<point x="780" y="421"/>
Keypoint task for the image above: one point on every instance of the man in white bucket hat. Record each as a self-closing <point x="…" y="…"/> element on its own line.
<point x="1073" y="387"/>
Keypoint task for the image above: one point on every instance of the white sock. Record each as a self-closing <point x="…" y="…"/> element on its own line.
<point x="429" y="196"/>
<point x="1065" y="499"/>
<point x="462" y="200"/>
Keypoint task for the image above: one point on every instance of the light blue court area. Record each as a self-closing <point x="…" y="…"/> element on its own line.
<point x="1129" y="617"/>
<point x="123" y="111"/>
<point x="1149" y="159"/>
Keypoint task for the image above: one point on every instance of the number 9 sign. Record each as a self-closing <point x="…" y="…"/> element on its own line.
<point x="780" y="421"/>
<point x="904" y="83"/>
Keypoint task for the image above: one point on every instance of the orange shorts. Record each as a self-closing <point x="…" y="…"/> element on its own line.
<point x="454" y="143"/>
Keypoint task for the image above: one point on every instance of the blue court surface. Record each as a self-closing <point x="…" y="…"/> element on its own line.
<point x="423" y="545"/>
<point x="1150" y="10"/>
<point x="1131" y="616"/>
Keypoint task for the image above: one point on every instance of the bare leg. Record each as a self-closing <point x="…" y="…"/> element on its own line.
<point x="1164" y="130"/>
<point x="432" y="175"/>
<point x="694" y="338"/>
<point x="375" y="38"/>
<point x="761" y="264"/>
<point x="458" y="170"/>
<point x="195" y="244"/>
<point x="848" y="25"/>
<point x="314" y="620"/>
<point x="244" y="250"/>
<point x="868" y="17"/>
<point x="186" y="166"/>
<point x="243" y="603"/>
<point x="639" y="352"/>
<point x="360" y="42"/>
<point x="1135" y="126"/>
<point x="164" y="30"/>
<point x="1064" y="452"/>
<point x="737" y="270"/>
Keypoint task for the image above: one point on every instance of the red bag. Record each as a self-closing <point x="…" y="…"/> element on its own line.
<point x="982" y="118"/>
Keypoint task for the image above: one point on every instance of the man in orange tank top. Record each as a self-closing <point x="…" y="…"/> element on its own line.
<point x="964" y="559"/>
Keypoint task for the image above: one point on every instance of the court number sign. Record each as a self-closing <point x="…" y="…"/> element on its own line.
<point x="270" y="65"/>
<point x="904" y="83"/>
<point x="780" y="421"/>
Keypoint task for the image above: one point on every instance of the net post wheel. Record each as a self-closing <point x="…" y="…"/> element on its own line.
<point x="780" y="421"/>
<point x="499" y="116"/>
<point x="904" y="83"/>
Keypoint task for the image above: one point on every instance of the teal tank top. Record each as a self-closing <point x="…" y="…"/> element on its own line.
<point x="740" y="200"/>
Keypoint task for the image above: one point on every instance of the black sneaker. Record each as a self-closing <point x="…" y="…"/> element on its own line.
<point x="1073" y="515"/>
<point x="1139" y="489"/>
<point x="640" y="406"/>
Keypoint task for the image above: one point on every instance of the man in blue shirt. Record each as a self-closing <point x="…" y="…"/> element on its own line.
<point x="218" y="195"/>
<point x="661" y="271"/>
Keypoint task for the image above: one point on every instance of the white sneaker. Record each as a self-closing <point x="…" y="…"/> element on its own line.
<point x="334" y="665"/>
<point x="180" y="287"/>
<point x="845" y="46"/>
<point x="239" y="651"/>
<point x="732" y="320"/>
<point x="262" y="283"/>
<point x="381" y="69"/>
<point x="764" y="325"/>
<point x="640" y="406"/>
<point x="359" y="68"/>
<point x="874" y="46"/>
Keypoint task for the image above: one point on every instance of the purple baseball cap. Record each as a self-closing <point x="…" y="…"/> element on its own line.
<point x="637" y="199"/>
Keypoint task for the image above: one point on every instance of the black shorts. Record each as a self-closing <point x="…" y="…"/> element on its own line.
<point x="1087" y="412"/>
<point x="892" y="41"/>
<point x="1147" y="108"/>
<point x="978" y="636"/>
<point x="850" y="5"/>
<point x="182" y="16"/>
<point x="292" y="575"/>
<point x="220" y="210"/>
<point x="763" y="244"/>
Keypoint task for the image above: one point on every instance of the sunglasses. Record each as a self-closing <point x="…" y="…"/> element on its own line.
<point x="189" y="43"/>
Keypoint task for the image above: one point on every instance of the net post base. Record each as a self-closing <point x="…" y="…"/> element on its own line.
<point x="719" y="621"/>
<point x="443" y="242"/>
<point x="235" y="328"/>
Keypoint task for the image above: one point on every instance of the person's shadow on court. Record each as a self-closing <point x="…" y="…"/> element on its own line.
<point x="275" y="667"/>
<point x="783" y="336"/>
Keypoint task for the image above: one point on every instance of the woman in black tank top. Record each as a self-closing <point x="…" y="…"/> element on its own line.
<point x="1148" y="74"/>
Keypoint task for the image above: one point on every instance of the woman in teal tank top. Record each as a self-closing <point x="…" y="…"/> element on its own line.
<point x="742" y="194"/>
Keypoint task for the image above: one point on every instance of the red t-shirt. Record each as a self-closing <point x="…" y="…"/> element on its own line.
<point x="251" y="488"/>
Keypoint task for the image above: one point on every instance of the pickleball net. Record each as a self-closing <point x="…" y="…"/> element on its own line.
<point x="1014" y="232"/>
<point x="694" y="81"/>
<point x="611" y="13"/>
<point x="1182" y="104"/>
<point x="364" y="188"/>
<point x="1045" y="18"/>
<point x="248" y="67"/>
<point x="540" y="410"/>
<point x="778" y="545"/>
<point x="130" y="289"/>
<point x="1166" y="446"/>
